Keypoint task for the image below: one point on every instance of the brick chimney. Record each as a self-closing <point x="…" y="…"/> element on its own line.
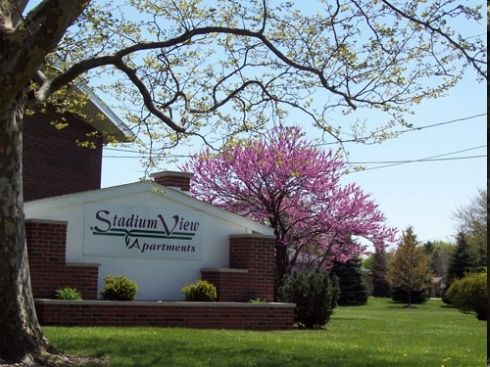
<point x="174" y="179"/>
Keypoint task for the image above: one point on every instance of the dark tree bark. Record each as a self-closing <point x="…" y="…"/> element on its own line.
<point x="22" y="51"/>
<point x="20" y="334"/>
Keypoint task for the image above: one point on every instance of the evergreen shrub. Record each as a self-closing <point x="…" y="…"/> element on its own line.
<point x="315" y="296"/>
<point x="469" y="294"/>
<point x="68" y="294"/>
<point x="119" y="288"/>
<point x="201" y="291"/>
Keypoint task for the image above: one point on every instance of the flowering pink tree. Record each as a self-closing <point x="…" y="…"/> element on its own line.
<point x="283" y="181"/>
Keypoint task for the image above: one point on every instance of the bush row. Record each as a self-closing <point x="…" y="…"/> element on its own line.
<point x="315" y="294"/>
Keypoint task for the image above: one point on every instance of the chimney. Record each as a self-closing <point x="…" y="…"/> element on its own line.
<point x="173" y="179"/>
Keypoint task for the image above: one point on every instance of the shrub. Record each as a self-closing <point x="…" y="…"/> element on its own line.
<point x="469" y="294"/>
<point x="119" y="288"/>
<point x="201" y="291"/>
<point x="256" y="300"/>
<point x="315" y="295"/>
<point x="68" y="293"/>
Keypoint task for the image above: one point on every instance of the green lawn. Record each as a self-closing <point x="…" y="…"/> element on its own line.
<point x="379" y="334"/>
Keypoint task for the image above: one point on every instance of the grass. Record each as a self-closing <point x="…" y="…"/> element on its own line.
<point x="380" y="334"/>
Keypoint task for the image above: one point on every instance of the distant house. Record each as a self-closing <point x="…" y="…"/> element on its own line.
<point x="54" y="161"/>
<point x="438" y="285"/>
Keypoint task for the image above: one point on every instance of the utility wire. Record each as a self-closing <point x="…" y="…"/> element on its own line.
<point x="418" y="128"/>
<point x="444" y="123"/>
<point x="423" y="159"/>
<point x="436" y="158"/>
<point x="400" y="131"/>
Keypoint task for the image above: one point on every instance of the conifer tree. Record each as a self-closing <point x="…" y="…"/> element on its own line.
<point x="410" y="270"/>
<point x="381" y="287"/>
<point x="353" y="288"/>
<point x="462" y="260"/>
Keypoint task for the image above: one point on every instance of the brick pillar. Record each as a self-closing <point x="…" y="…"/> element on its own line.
<point x="255" y="253"/>
<point x="174" y="179"/>
<point x="46" y="245"/>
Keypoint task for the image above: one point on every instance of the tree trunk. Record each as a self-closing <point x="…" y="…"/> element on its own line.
<point x="281" y="260"/>
<point x="21" y="337"/>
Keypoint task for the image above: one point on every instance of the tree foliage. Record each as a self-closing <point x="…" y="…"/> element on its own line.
<point x="353" y="288"/>
<point x="379" y="270"/>
<point x="283" y="181"/>
<point x="462" y="260"/>
<point x="210" y="69"/>
<point x="410" y="270"/>
<point x="472" y="218"/>
<point x="228" y="66"/>
<point x="440" y="255"/>
<point x="472" y="222"/>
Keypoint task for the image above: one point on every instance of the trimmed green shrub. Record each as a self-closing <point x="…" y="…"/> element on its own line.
<point x="119" y="288"/>
<point x="201" y="291"/>
<point x="315" y="296"/>
<point x="68" y="293"/>
<point x="469" y="294"/>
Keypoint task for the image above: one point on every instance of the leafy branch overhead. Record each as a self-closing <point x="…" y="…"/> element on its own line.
<point x="223" y="67"/>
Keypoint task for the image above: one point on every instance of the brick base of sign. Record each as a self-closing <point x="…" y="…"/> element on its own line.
<point x="205" y="315"/>
<point x="250" y="276"/>
<point x="46" y="243"/>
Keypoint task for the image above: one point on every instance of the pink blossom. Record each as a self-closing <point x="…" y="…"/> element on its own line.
<point x="283" y="181"/>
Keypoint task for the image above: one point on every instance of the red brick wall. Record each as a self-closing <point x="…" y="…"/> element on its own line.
<point x="255" y="253"/>
<point x="53" y="163"/>
<point x="231" y="286"/>
<point x="46" y="244"/>
<point x="167" y="314"/>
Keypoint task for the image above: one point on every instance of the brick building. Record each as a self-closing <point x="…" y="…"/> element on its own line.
<point x="55" y="161"/>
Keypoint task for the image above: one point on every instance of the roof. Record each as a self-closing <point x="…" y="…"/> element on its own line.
<point x="139" y="187"/>
<point x="436" y="280"/>
<point x="96" y="112"/>
<point x="102" y="118"/>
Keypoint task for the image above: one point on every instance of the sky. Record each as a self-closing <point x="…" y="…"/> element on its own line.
<point x="418" y="179"/>
<point x="424" y="193"/>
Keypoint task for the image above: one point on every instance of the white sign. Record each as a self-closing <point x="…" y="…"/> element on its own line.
<point x="142" y="232"/>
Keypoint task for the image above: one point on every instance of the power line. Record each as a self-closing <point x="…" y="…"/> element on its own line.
<point x="317" y="145"/>
<point x="436" y="158"/>
<point x="418" y="128"/>
<point x="444" y="123"/>
<point x="422" y="159"/>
